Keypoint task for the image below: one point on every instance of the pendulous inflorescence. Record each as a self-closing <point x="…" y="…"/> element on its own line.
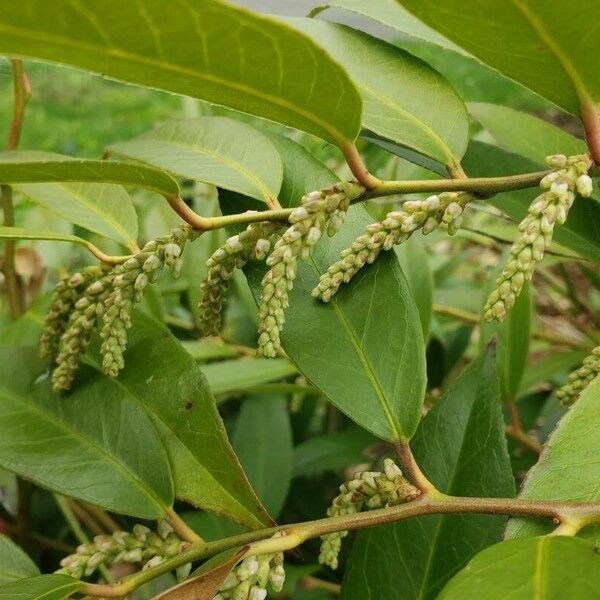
<point x="580" y="379"/>
<point x="249" y="579"/>
<point x="108" y="298"/>
<point x="307" y="222"/>
<point x="368" y="490"/>
<point x="396" y="228"/>
<point x="140" y="546"/>
<point x="551" y="207"/>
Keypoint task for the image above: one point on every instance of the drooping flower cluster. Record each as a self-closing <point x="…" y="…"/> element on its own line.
<point x="551" y="207"/>
<point x="368" y="490"/>
<point x="249" y="579"/>
<point x="307" y="223"/>
<point x="108" y="298"/>
<point x="396" y="228"/>
<point x="140" y="546"/>
<point x="580" y="379"/>
<point x="254" y="242"/>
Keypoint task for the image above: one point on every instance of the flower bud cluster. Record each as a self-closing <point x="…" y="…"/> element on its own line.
<point x="64" y="297"/>
<point x="249" y="579"/>
<point x="140" y="546"/>
<point x="110" y="298"/>
<point x="254" y="242"/>
<point x="551" y="207"/>
<point x="579" y="380"/>
<point x="397" y="227"/>
<point x="307" y="222"/>
<point x="368" y="490"/>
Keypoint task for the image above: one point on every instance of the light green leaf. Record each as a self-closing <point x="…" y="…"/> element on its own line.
<point x="579" y="233"/>
<point x="207" y="49"/>
<point x="364" y="350"/>
<point x="25" y="166"/>
<point x="568" y="467"/>
<point x="461" y="448"/>
<point x="404" y="99"/>
<point x="14" y="563"/>
<point x="92" y="444"/>
<point x="244" y="373"/>
<point x="543" y="568"/>
<point x="548" y="46"/>
<point x="209" y="349"/>
<point x="415" y="264"/>
<point x="20" y="233"/>
<point x="216" y="150"/>
<point x="525" y="134"/>
<point x="42" y="587"/>
<point x="263" y="442"/>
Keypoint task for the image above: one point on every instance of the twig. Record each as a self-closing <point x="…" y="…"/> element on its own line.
<point x="84" y="517"/>
<point x="181" y="528"/>
<point x="103" y="517"/>
<point x="409" y="464"/>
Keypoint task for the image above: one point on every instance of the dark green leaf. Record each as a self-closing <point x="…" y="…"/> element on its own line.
<point x="14" y="563"/>
<point x="207" y="49"/>
<point x="263" y="442"/>
<point x="550" y="367"/>
<point x="42" y="587"/>
<point x="543" y="568"/>
<point x="461" y="448"/>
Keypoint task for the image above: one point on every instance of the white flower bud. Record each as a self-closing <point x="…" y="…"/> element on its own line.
<point x="584" y="185"/>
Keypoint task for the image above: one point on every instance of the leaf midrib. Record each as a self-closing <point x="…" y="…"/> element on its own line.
<point x="86" y="441"/>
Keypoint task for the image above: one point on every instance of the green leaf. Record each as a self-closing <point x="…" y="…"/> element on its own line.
<point x="14" y="563"/>
<point x="19" y="233"/>
<point x="207" y="49"/>
<point x="93" y="444"/>
<point x="525" y="134"/>
<point x="548" y="46"/>
<point x="461" y="448"/>
<point x="579" y="233"/>
<point x="404" y="99"/>
<point x="42" y="587"/>
<point x="568" y="467"/>
<point x="243" y="373"/>
<point x="263" y="442"/>
<point x="415" y="264"/>
<point x="549" y="367"/>
<point x="216" y="150"/>
<point x="364" y="350"/>
<point x="43" y="167"/>
<point x="544" y="568"/>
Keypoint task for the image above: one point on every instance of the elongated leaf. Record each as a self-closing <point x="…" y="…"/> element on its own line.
<point x="42" y="167"/>
<point x="20" y="233"/>
<point x="207" y="49"/>
<point x="461" y="447"/>
<point x="544" y="568"/>
<point x="405" y="100"/>
<point x="364" y="350"/>
<point x="14" y="563"/>
<point x="263" y="442"/>
<point x="42" y="587"/>
<point x="216" y="150"/>
<point x="92" y="444"/>
<point x="549" y="367"/>
<point x="525" y="134"/>
<point x="528" y="40"/>
<point x="244" y="373"/>
<point x="568" y="467"/>
<point x="579" y="233"/>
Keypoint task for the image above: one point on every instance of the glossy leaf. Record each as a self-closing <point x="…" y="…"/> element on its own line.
<point x="568" y="467"/>
<point x="216" y="150"/>
<point x="545" y="45"/>
<point x="243" y="373"/>
<point x="93" y="444"/>
<point x="461" y="447"/>
<point x="579" y="233"/>
<point x="14" y="563"/>
<point x="543" y="568"/>
<point x="263" y="442"/>
<point x="42" y="587"/>
<point x="525" y="134"/>
<point x="364" y="350"/>
<point x="44" y="167"/>
<point x="207" y="49"/>
<point x="404" y="99"/>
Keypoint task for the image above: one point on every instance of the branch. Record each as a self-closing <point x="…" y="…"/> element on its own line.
<point x="262" y="542"/>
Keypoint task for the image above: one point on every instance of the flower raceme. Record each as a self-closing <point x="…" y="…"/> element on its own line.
<point x="551" y="207"/>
